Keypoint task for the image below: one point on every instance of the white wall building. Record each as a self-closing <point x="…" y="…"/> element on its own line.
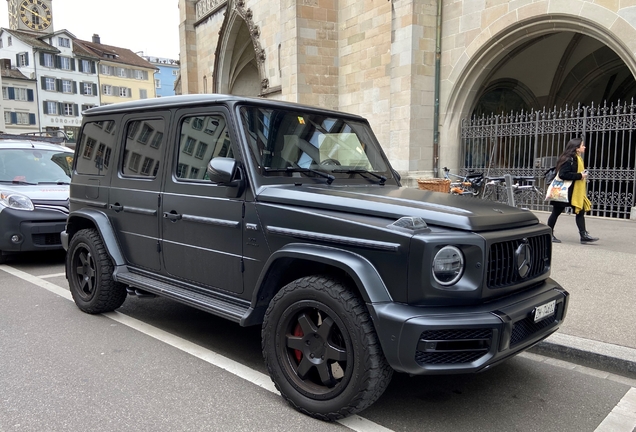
<point x="66" y="76"/>
<point x="19" y="107"/>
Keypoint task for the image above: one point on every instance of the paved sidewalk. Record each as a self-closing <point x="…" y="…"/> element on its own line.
<point x="600" y="327"/>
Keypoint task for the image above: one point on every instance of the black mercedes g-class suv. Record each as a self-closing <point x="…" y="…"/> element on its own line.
<point x="290" y="217"/>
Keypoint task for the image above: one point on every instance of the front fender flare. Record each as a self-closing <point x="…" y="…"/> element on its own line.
<point x="103" y="226"/>
<point x="362" y="272"/>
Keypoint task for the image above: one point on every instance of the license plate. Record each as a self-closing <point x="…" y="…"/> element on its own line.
<point x="544" y="311"/>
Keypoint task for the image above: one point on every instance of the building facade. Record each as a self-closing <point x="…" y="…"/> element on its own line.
<point x="20" y="109"/>
<point x="416" y="69"/>
<point x="123" y="75"/>
<point x="165" y="75"/>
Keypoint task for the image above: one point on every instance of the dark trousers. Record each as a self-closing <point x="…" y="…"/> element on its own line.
<point x="556" y="212"/>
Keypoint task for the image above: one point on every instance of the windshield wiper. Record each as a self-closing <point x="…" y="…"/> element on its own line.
<point x="18" y="182"/>
<point x="362" y="172"/>
<point x="329" y="177"/>
<point x="56" y="182"/>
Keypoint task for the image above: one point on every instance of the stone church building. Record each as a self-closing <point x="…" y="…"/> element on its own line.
<point x="417" y="68"/>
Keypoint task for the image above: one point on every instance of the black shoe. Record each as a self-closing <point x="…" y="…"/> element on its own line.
<point x="587" y="238"/>
<point x="555" y="240"/>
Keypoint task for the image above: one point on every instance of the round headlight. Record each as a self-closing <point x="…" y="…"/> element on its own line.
<point x="448" y="265"/>
<point x="16" y="201"/>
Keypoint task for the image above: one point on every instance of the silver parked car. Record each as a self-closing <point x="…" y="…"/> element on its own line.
<point x="34" y="192"/>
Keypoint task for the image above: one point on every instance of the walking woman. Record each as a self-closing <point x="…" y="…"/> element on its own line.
<point x="570" y="167"/>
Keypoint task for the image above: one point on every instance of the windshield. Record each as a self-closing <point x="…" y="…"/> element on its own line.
<point x="35" y="166"/>
<point x="283" y="140"/>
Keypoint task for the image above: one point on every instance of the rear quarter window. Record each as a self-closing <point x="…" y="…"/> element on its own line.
<point x="96" y="147"/>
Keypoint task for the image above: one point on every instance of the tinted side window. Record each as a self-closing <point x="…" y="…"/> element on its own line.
<point x="142" y="151"/>
<point x="202" y="138"/>
<point x="96" y="145"/>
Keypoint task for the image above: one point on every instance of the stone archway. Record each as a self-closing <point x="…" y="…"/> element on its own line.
<point x="486" y="52"/>
<point x="239" y="60"/>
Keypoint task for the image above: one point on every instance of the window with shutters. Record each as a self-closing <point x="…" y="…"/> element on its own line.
<point x="86" y="66"/>
<point x="22" y="118"/>
<point x="121" y="72"/>
<point x="7" y="117"/>
<point x="157" y="83"/>
<point x="23" y="59"/>
<point x="106" y="70"/>
<point x="51" y="107"/>
<point x="9" y="41"/>
<point x="124" y="91"/>
<point x="67" y="86"/>
<point x="47" y="60"/>
<point x="88" y="88"/>
<point x="68" y="109"/>
<point x="107" y="90"/>
<point x="21" y="94"/>
<point x="5" y="93"/>
<point x="64" y="42"/>
<point x="65" y="63"/>
<point x="49" y="84"/>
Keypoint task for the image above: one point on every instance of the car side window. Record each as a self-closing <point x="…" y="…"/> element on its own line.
<point x="96" y="145"/>
<point x="202" y="138"/>
<point x="142" y="151"/>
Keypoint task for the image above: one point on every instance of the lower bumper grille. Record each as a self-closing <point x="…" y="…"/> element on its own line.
<point x="52" y="239"/>
<point x="454" y="346"/>
<point x="526" y="328"/>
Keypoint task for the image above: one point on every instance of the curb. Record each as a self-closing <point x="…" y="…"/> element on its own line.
<point x="612" y="358"/>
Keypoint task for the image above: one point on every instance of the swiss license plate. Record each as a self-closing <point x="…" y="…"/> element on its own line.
<point x="544" y="311"/>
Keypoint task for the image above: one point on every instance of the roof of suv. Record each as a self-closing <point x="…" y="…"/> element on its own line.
<point x="203" y="99"/>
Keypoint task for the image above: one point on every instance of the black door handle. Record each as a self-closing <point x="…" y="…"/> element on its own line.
<point x="116" y="207"/>
<point x="172" y="216"/>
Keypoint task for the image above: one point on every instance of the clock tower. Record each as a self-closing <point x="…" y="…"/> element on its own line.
<point x="33" y="15"/>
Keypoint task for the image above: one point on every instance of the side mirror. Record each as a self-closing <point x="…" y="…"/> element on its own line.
<point x="227" y="172"/>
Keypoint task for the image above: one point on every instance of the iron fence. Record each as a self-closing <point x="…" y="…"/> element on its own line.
<point x="526" y="144"/>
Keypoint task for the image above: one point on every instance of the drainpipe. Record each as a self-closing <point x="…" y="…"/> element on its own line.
<point x="37" y="88"/>
<point x="438" y="56"/>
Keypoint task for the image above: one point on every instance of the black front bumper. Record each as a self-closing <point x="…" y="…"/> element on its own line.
<point x="466" y="339"/>
<point x="37" y="230"/>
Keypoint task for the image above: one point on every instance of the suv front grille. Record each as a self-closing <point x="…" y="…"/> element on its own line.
<point x="452" y="346"/>
<point x="502" y="262"/>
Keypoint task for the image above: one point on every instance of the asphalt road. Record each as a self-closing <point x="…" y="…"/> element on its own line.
<point x="155" y="365"/>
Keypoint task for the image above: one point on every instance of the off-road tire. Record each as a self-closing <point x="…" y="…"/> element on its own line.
<point x="348" y="339"/>
<point x="90" y="274"/>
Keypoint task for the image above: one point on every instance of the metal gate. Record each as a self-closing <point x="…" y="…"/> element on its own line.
<point x="525" y="145"/>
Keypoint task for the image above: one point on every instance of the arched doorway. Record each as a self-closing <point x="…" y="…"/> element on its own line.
<point x="239" y="68"/>
<point x="535" y="85"/>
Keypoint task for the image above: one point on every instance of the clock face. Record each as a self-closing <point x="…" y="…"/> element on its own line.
<point x="35" y="14"/>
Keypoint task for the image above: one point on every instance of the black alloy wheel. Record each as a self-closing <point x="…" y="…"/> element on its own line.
<point x="321" y="349"/>
<point x="89" y="270"/>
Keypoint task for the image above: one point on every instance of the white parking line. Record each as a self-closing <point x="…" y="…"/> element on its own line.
<point x="354" y="422"/>
<point x="52" y="275"/>
<point x="623" y="416"/>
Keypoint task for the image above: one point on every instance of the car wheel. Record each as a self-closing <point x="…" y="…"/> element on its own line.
<point x="90" y="274"/>
<point x="321" y="349"/>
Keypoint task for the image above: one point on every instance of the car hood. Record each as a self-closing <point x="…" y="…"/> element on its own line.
<point x="42" y="192"/>
<point x="441" y="209"/>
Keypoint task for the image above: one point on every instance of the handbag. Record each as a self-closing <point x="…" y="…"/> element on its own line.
<point x="558" y="190"/>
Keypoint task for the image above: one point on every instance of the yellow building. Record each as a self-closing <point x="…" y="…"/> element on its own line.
<point x="123" y="75"/>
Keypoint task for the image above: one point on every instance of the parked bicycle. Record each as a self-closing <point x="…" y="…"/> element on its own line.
<point x="472" y="184"/>
<point x="495" y="189"/>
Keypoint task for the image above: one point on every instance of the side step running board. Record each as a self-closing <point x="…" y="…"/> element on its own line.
<point x="215" y="303"/>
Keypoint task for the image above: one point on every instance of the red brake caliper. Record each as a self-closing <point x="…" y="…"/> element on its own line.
<point x="298" y="332"/>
